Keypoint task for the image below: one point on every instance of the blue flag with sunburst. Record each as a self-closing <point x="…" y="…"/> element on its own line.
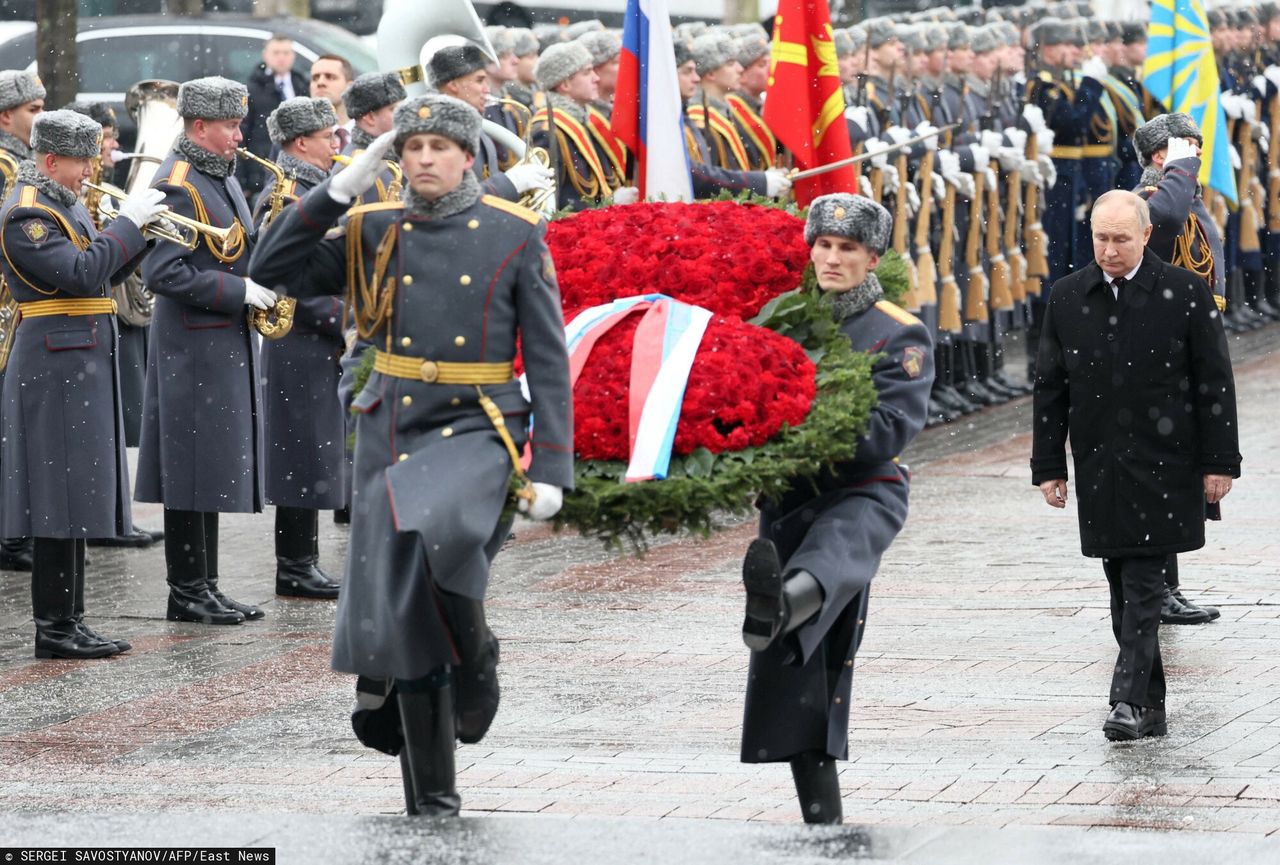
<point x="1181" y="73"/>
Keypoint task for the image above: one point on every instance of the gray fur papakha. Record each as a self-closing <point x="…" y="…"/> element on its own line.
<point x="986" y="39"/>
<point x="560" y="62"/>
<point x="576" y="29"/>
<point x="454" y="61"/>
<point x="99" y="111"/>
<point x="523" y="41"/>
<point x="880" y="31"/>
<point x="371" y="91"/>
<point x="844" y="43"/>
<point x="441" y="115"/>
<point x="855" y="217"/>
<point x="958" y="36"/>
<point x="66" y="133"/>
<point x="1155" y="133"/>
<point x="603" y="45"/>
<point x="859" y="37"/>
<point x="18" y="87"/>
<point x="713" y="50"/>
<point x="751" y="47"/>
<point x="300" y="116"/>
<point x="213" y="98"/>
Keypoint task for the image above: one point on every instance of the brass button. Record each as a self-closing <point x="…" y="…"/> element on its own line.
<point x="408" y="280"/>
<point x="459" y="340"/>
<point x="455" y="401"/>
<point x="475" y="223"/>
<point x="406" y="400"/>
<point x="403" y="457"/>
<point x="838" y="701"/>
<point x="408" y="226"/>
<point x="464" y="279"/>
<point x="447" y="431"/>
<point x="406" y="341"/>
<point x="429" y="372"/>
<point x="846" y="663"/>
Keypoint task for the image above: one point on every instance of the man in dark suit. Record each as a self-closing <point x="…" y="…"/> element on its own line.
<point x="274" y="81"/>
<point x="1133" y="365"/>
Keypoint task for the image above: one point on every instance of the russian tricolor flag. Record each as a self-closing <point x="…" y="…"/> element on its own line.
<point x="647" y="116"/>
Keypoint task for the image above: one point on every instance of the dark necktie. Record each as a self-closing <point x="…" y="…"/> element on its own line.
<point x="1118" y="284"/>
<point x="343" y="138"/>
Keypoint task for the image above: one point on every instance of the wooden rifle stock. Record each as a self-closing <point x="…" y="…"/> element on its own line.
<point x="1245" y="186"/>
<point x="975" y="298"/>
<point x="901" y="216"/>
<point x="1001" y="296"/>
<point x="926" y="267"/>
<point x="948" y="288"/>
<point x="1033" y="236"/>
<point x="1012" y="250"/>
<point x="1273" y="169"/>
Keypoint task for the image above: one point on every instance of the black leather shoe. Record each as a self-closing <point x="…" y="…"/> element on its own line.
<point x="249" y="611"/>
<point x="301" y="578"/>
<point x="67" y="640"/>
<point x="476" y="694"/>
<point x="190" y="605"/>
<point x="1212" y="611"/>
<point x="1129" y="722"/>
<point x="766" y="610"/>
<point x="1175" y="611"/>
<point x="342" y="517"/>
<point x="121" y="645"/>
<point x="1008" y="383"/>
<point x="136" y="538"/>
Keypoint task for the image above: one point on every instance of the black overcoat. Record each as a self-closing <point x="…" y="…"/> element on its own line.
<point x="1144" y="389"/>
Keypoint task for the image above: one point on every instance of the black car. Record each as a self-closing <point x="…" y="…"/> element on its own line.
<point x="117" y="52"/>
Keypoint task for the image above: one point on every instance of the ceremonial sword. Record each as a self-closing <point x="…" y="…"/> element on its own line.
<point x="862" y="157"/>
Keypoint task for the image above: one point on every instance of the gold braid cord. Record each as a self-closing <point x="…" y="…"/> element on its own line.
<point x="234" y="247"/>
<point x="587" y="187"/>
<point x="369" y="300"/>
<point x="1184" y="256"/>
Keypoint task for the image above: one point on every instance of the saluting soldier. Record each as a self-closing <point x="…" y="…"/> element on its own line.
<point x="440" y="423"/>
<point x="304" y="429"/>
<point x="808" y="575"/>
<point x="65" y="477"/>
<point x="201" y="450"/>
<point x="21" y="101"/>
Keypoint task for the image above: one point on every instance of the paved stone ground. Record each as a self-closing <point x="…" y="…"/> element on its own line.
<point x="978" y="698"/>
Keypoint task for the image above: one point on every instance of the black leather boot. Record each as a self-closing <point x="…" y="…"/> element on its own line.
<point x="342" y="517"/>
<point x="121" y="645"/>
<point x="982" y="372"/>
<point x="775" y="606"/>
<point x="53" y="604"/>
<point x="1255" y="294"/>
<point x="376" y="718"/>
<point x="15" y="554"/>
<point x="967" y="371"/>
<point x="1001" y="374"/>
<point x="426" y="716"/>
<point x="475" y="679"/>
<point x="818" y="786"/>
<point x="187" y="572"/>
<point x="249" y="611"/>
<point x="135" y="537"/>
<point x="298" y="573"/>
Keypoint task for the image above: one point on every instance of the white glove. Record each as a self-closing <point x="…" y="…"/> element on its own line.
<point x="1017" y="137"/>
<point x="776" y="182"/>
<point x="258" y="296"/>
<point x="547" y="500"/>
<point x="871" y="145"/>
<point x="1048" y="170"/>
<point x="913" y="199"/>
<point x="1272" y="74"/>
<point x="859" y="114"/>
<point x="351" y="182"/>
<point x="529" y="175"/>
<point x="965" y="185"/>
<point x="990" y="140"/>
<point x="1179" y="148"/>
<point x="897" y="134"/>
<point x="989" y="175"/>
<point x="626" y="195"/>
<point x="927" y="128"/>
<point x="1235" y="157"/>
<point x="891" y="180"/>
<point x="864" y="186"/>
<point x="1031" y="173"/>
<point x="1264" y="138"/>
<point x="143" y="207"/>
<point x="1034" y="117"/>
<point x="1044" y="142"/>
<point x="1231" y="105"/>
<point x="939" y="186"/>
<point x="1010" y="158"/>
<point x="1248" y="108"/>
<point x="948" y="164"/>
<point x="980" y="155"/>
<point x="1260" y="86"/>
<point x="1094" y="68"/>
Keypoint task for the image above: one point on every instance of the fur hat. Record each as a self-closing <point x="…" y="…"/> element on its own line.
<point x="1133" y="32"/>
<point x="935" y="37"/>
<point x="603" y="45"/>
<point x="371" y="91"/>
<point x="441" y="115"/>
<point x="912" y="37"/>
<point x="501" y="39"/>
<point x="755" y="44"/>
<point x="18" y="88"/>
<point x="683" y="51"/>
<point x="985" y="39"/>
<point x="300" y="116"/>
<point x="713" y="50"/>
<point x="66" y="133"/>
<point x="689" y="30"/>
<point x="523" y="42"/>
<point x="560" y="62"/>
<point x="1155" y="134"/>
<point x="958" y="36"/>
<point x="548" y="35"/>
<point x="856" y="217"/>
<point x="99" y="111"/>
<point x="213" y="98"/>
<point x="859" y="37"/>
<point x="1050" y="31"/>
<point x="454" y="61"/>
<point x="577" y="28"/>
<point x="880" y="31"/>
<point x="844" y="43"/>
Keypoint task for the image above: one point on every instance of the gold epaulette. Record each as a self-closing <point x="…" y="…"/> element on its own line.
<point x="376" y="205"/>
<point x="897" y="313"/>
<point x="177" y="174"/>
<point x="511" y="207"/>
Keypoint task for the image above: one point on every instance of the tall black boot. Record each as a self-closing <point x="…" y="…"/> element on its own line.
<point x="1000" y="374"/>
<point x="776" y="606"/>
<point x="53" y="604"/>
<point x="187" y="572"/>
<point x="475" y="679"/>
<point x="970" y="386"/>
<point x="121" y="645"/>
<point x="948" y="392"/>
<point x="818" y="786"/>
<point x="15" y="554"/>
<point x="249" y="611"/>
<point x="1035" y="316"/>
<point x="985" y="366"/>
<point x="426" y="715"/>
<point x="1271" y="288"/>
<point x="297" y="573"/>
<point x="1256" y="296"/>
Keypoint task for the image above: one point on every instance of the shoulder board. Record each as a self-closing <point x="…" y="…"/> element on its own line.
<point x="27" y="198"/>
<point x="511" y="207"/>
<point x="177" y="174"/>
<point x="377" y="205"/>
<point x="897" y="313"/>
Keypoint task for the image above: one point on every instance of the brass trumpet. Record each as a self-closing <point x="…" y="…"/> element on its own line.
<point x="172" y="227"/>
<point x="276" y="322"/>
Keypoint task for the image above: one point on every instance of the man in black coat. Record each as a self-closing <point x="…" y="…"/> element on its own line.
<point x="272" y="82"/>
<point x="1133" y="365"/>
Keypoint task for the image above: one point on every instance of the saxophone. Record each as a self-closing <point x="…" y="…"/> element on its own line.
<point x="278" y="321"/>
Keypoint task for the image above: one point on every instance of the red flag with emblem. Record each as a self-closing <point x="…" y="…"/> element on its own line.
<point x="805" y="103"/>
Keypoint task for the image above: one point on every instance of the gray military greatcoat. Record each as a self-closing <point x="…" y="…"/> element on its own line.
<point x="431" y="474"/>
<point x="63" y="455"/>
<point x="798" y="690"/>
<point x="201" y="433"/>
<point x="304" y="424"/>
